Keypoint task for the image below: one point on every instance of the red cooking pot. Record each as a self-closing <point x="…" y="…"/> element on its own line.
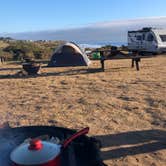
<point x="41" y="153"/>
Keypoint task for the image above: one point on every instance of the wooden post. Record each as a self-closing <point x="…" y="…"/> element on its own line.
<point x="137" y="60"/>
<point x="102" y="59"/>
<point x="2" y="59"/>
<point x="132" y="63"/>
<point x="102" y="64"/>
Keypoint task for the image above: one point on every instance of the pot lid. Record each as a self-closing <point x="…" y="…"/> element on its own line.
<point x="35" y="152"/>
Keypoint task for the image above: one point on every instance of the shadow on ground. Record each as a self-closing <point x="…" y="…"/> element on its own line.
<point x="132" y="143"/>
<point x="59" y="73"/>
<point x="6" y="69"/>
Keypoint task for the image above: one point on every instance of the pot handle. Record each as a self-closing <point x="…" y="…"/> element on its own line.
<point x="74" y="136"/>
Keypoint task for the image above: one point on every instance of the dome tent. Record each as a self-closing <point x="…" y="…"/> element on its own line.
<point x="68" y="54"/>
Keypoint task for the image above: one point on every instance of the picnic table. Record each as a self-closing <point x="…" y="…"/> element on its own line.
<point x="120" y="55"/>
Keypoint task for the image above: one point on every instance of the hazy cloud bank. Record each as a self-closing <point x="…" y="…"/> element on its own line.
<point x="113" y="31"/>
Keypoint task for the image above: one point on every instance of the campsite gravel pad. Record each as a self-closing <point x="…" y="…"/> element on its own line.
<point x="81" y="152"/>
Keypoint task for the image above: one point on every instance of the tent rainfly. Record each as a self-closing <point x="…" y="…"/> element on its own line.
<point x="68" y="54"/>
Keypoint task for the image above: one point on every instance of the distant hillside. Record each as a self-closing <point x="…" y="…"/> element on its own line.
<point x="3" y="44"/>
<point x="19" y="49"/>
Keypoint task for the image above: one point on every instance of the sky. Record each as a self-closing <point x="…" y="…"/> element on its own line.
<point x="18" y="16"/>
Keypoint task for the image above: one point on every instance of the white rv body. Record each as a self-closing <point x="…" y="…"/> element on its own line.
<point x="147" y="40"/>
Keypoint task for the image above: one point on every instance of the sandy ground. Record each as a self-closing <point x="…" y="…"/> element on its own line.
<point x="124" y="108"/>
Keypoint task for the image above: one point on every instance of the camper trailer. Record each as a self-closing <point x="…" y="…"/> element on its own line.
<point x="147" y="40"/>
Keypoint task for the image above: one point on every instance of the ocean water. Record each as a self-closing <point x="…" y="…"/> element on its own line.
<point x="101" y="44"/>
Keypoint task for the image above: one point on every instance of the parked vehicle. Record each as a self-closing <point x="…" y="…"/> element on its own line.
<point x="147" y="40"/>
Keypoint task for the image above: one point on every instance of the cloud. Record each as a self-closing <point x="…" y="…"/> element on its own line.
<point x="111" y="31"/>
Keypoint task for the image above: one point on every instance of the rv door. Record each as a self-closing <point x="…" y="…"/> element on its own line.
<point x="151" y="43"/>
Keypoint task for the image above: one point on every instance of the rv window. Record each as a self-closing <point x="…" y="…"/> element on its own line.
<point x="163" y="38"/>
<point x="143" y="36"/>
<point x="150" y="37"/>
<point x="139" y="37"/>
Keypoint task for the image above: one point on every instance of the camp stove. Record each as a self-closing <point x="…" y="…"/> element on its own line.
<point x="42" y="152"/>
<point x="65" y="146"/>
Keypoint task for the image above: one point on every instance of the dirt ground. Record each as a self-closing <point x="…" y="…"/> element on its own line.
<point x="124" y="108"/>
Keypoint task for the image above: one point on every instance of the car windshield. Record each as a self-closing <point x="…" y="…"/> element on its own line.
<point x="163" y="38"/>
